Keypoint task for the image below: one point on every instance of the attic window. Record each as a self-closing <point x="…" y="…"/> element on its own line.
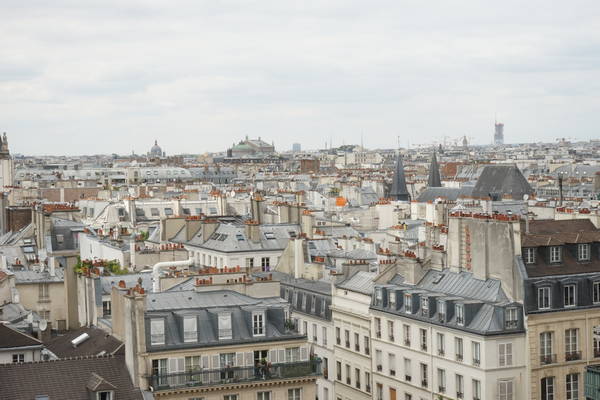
<point x="239" y="237"/>
<point x="225" y="326"/>
<point x="258" y="323"/>
<point x="583" y="252"/>
<point x="222" y="238"/>
<point x="460" y="314"/>
<point x="190" y="329"/>
<point x="555" y="254"/>
<point x="60" y="239"/>
<point x="157" y="331"/>
<point x="105" y="396"/>
<point x="168" y="211"/>
<point x="311" y="246"/>
<point x="269" y="235"/>
<point x="424" y="305"/>
<point x="154" y="212"/>
<point x="407" y="303"/>
<point x="437" y="279"/>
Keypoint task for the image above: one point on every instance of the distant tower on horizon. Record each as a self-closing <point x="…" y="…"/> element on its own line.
<point x="296" y="147"/>
<point x="498" y="132"/>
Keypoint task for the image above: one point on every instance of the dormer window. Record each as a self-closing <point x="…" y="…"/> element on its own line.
<point x="378" y="296"/>
<point x="511" y="318"/>
<point x="190" y="329"/>
<point x="555" y="254"/>
<point x="460" y="314"/>
<point x="304" y="296"/>
<point x="569" y="295"/>
<point x="530" y="255"/>
<point x="313" y="304"/>
<point x="442" y="310"/>
<point x="105" y="395"/>
<point x="157" y="331"/>
<point x="425" y="306"/>
<point x="258" y="323"/>
<point x="225" y="326"/>
<point x="392" y="298"/>
<point x="583" y="252"/>
<point x="543" y="298"/>
<point x="407" y="303"/>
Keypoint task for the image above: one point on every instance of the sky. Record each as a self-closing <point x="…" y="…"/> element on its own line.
<point x="112" y="76"/>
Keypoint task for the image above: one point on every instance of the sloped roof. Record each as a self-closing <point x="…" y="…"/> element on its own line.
<point x="497" y="181"/>
<point x="361" y="282"/>
<point x="12" y="338"/>
<point x="434" y="179"/>
<point x="98" y="342"/>
<point x="463" y="284"/>
<point x="399" y="191"/>
<point x="447" y="193"/>
<point x="65" y="378"/>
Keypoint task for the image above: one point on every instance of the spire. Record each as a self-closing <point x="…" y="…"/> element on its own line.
<point x="434" y="173"/>
<point x="399" y="190"/>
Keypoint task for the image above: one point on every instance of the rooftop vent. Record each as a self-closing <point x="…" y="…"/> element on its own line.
<point x="80" y="339"/>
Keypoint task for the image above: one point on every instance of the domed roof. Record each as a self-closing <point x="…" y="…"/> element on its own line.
<point x="156" y="150"/>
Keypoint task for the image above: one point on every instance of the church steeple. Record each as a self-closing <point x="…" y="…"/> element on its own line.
<point x="399" y="190"/>
<point x="434" y="173"/>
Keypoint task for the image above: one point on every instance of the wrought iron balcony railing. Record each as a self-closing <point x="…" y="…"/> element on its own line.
<point x="225" y="376"/>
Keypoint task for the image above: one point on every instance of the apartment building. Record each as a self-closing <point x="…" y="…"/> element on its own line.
<point x="560" y="270"/>
<point x="451" y="336"/>
<point x="352" y="332"/>
<point x="213" y="345"/>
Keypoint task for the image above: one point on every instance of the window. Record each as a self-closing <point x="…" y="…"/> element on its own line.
<point x="348" y="375"/>
<point x="168" y="211"/>
<point x="392" y="364"/>
<point x="423" y="369"/>
<point x="106" y="308"/>
<point x="249" y="262"/>
<point x="546" y="356"/>
<point x="458" y="348"/>
<point x="476" y="389"/>
<point x="337" y="335"/>
<point x="392" y="299"/>
<point x="105" y="395"/>
<point x="347" y="338"/>
<point x="505" y="390"/>
<point x="159" y="370"/>
<point x="357" y="342"/>
<point x="571" y="352"/>
<point x="423" y="339"/>
<point x="583" y="252"/>
<point x="441" y="344"/>
<point x="476" y="347"/>
<point x="441" y="376"/>
<point x="406" y="332"/>
<point x="367" y="382"/>
<point x="425" y="306"/>
<point x="231" y="397"/>
<point x="555" y="254"/>
<point x="292" y="354"/>
<point x="530" y="255"/>
<point x="378" y="296"/>
<point x="460" y="386"/>
<point x="548" y="388"/>
<point x="379" y="391"/>
<point x="357" y="378"/>
<point x="391" y="330"/>
<point x="366" y="345"/>
<point x="314" y="333"/>
<point x="225" y="326"/>
<point x="190" y="329"/>
<point x="18" y="358"/>
<point x="596" y="292"/>
<point x="407" y="369"/>
<point x="378" y="328"/>
<point x="157" y="331"/>
<point x="258" y="323"/>
<point x="154" y="212"/>
<point x="442" y="311"/>
<point x="44" y="291"/>
<point x="378" y="358"/>
<point x="572" y="386"/>
<point x="407" y="303"/>
<point x="505" y="354"/>
<point x="569" y="295"/>
<point x="338" y="370"/>
<point x="511" y="318"/>
<point x="543" y="298"/>
<point x="265" y="263"/>
<point x="263" y="396"/>
<point x="460" y="314"/>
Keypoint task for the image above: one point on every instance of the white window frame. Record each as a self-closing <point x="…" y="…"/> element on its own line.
<point x="570" y="295"/>
<point x="408" y="303"/>
<point x="190" y="335"/>
<point x="596" y="292"/>
<point x="530" y="255"/>
<point x="157" y="331"/>
<point x="258" y="323"/>
<point x="583" y="252"/>
<point x="555" y="254"/>
<point x="572" y="386"/>
<point x="505" y="389"/>
<point x="544" y="293"/>
<point x="460" y="314"/>
<point x="505" y="357"/>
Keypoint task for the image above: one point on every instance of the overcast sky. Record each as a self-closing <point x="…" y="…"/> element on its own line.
<point x="88" y="77"/>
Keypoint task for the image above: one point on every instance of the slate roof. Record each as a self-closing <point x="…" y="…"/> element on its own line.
<point x="361" y="282"/>
<point x="191" y="299"/>
<point x="399" y="191"/>
<point x="434" y="179"/>
<point x="10" y="338"/>
<point x="497" y="181"/>
<point x="28" y="276"/>
<point x="463" y="284"/>
<point x="448" y="193"/>
<point x="98" y="342"/>
<point x="107" y="282"/>
<point x="65" y="379"/>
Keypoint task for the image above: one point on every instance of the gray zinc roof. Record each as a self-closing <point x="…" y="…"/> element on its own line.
<point x="361" y="282"/>
<point x="463" y="284"/>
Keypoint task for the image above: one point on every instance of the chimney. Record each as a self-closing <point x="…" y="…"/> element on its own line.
<point x="209" y="226"/>
<point x="253" y="230"/>
<point x="257" y="208"/>
<point x="52" y="266"/>
<point x="307" y="223"/>
<point x="560" y="190"/>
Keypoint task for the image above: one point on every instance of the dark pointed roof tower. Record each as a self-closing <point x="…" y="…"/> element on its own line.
<point x="434" y="173"/>
<point x="399" y="190"/>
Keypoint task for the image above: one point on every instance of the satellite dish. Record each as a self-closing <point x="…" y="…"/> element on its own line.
<point x="525" y="197"/>
<point x="43" y="325"/>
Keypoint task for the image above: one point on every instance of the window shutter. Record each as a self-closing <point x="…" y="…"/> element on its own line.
<point x="249" y="359"/>
<point x="215" y="362"/>
<point x="509" y="355"/>
<point x="240" y="359"/>
<point x="181" y="364"/>
<point x="205" y="362"/>
<point x="303" y="353"/>
<point x="502" y="354"/>
<point x="172" y="365"/>
<point x="273" y="356"/>
<point x="281" y="355"/>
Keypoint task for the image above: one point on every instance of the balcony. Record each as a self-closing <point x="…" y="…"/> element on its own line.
<point x="348" y="381"/>
<point x="596" y="353"/>
<point x="347" y="344"/>
<point x="368" y="389"/>
<point x="407" y="342"/>
<point x="423" y="347"/>
<point x="511" y="324"/>
<point x="572" y="356"/>
<point x="378" y="334"/>
<point x="459" y="357"/>
<point x="548" y="359"/>
<point x="442" y="318"/>
<point x="442" y="389"/>
<point x="391" y="338"/>
<point x="441" y="352"/>
<point x="338" y="341"/>
<point x="476" y="362"/>
<point x="460" y="395"/>
<point x="234" y="375"/>
<point x="407" y="378"/>
<point x="379" y="368"/>
<point x="367" y="351"/>
<point x="424" y="383"/>
<point x="392" y="372"/>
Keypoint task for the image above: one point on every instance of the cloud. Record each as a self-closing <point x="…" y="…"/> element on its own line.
<point x="111" y="76"/>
